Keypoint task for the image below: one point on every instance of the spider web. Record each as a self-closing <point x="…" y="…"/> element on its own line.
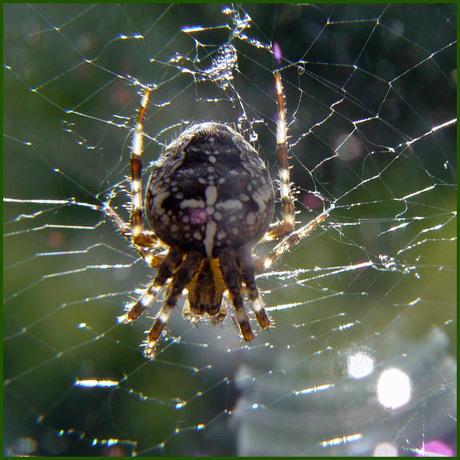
<point x="362" y="358"/>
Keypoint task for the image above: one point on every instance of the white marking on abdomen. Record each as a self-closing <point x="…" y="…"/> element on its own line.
<point x="229" y="204"/>
<point x="250" y="218"/>
<point x="211" y="195"/>
<point x="192" y="203"/>
<point x="259" y="199"/>
<point x="211" y="228"/>
<point x="158" y="201"/>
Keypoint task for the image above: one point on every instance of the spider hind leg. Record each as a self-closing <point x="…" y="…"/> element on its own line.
<point x="287" y="224"/>
<point x="246" y="265"/>
<point x="231" y="275"/>
<point x="182" y="277"/>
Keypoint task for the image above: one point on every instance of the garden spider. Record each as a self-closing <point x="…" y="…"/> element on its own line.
<point x="209" y="202"/>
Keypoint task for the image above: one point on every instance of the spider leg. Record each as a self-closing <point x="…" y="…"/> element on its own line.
<point x="263" y="263"/>
<point x="144" y="239"/>
<point x="165" y="271"/>
<point x="149" y="239"/>
<point x="138" y="234"/>
<point x="181" y="279"/>
<point x="231" y="275"/>
<point x="150" y="258"/>
<point x="286" y="225"/>
<point x="248" y="270"/>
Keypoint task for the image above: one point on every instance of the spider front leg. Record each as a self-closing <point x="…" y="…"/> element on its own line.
<point x="145" y="240"/>
<point x="285" y="226"/>
<point x="263" y="263"/>
<point x="165" y="271"/>
<point x="139" y="236"/>
<point x="149" y="252"/>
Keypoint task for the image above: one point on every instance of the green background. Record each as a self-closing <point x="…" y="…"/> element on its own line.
<point x="68" y="111"/>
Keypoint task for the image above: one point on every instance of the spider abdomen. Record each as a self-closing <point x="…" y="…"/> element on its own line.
<point x="209" y="191"/>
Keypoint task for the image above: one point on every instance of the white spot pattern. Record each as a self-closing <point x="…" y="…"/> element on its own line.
<point x="158" y="202"/>
<point x="211" y="228"/>
<point x="211" y="195"/>
<point x="229" y="204"/>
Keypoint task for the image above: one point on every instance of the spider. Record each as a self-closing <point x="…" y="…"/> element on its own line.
<point x="209" y="202"/>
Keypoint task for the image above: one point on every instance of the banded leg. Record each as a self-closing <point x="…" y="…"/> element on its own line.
<point x="137" y="148"/>
<point x="148" y="237"/>
<point x="230" y="273"/>
<point x="285" y="226"/>
<point x="263" y="263"/>
<point x="248" y="270"/>
<point x="165" y="271"/>
<point x="150" y="258"/>
<point x="151" y="242"/>
<point x="181" y="279"/>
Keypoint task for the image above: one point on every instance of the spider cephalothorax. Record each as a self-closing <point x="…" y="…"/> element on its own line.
<point x="209" y="202"/>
